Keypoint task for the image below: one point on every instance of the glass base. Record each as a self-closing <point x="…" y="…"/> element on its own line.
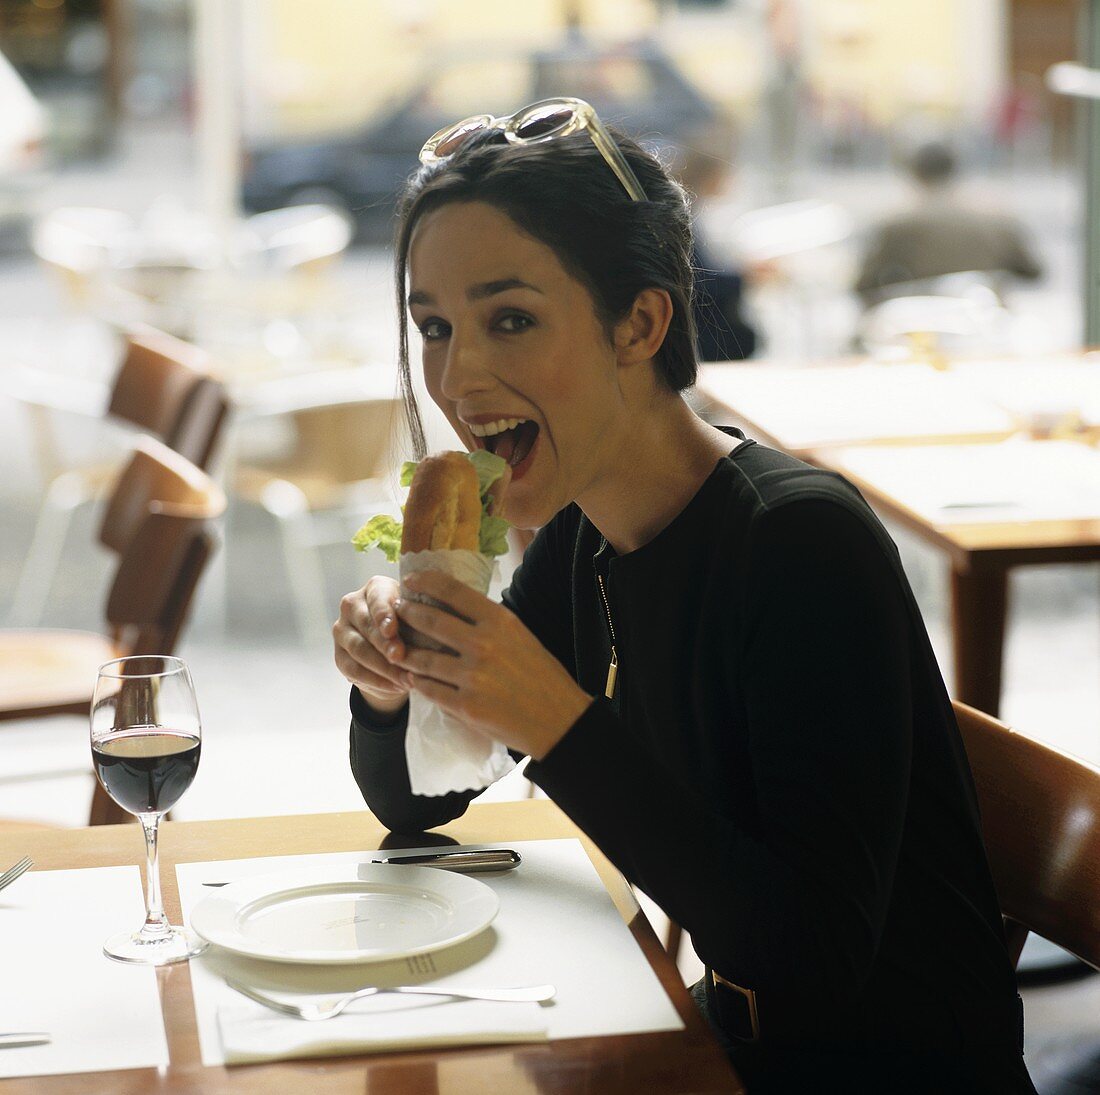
<point x="174" y="945"/>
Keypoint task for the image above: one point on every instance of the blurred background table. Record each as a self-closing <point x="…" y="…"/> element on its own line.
<point x="989" y="508"/>
<point x="907" y="433"/>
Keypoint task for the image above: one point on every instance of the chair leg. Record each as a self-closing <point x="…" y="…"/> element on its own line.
<point x="63" y="496"/>
<point x="673" y="938"/>
<point x="105" y="811"/>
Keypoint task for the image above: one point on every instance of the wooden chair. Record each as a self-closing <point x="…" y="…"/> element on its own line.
<point x="159" y="519"/>
<point x="1041" y="823"/>
<point x="339" y="464"/>
<point x="162" y="388"/>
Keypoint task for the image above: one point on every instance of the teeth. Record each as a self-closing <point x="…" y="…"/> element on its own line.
<point x="490" y="429"/>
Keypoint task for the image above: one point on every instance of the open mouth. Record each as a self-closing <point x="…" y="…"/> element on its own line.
<point x="515" y="444"/>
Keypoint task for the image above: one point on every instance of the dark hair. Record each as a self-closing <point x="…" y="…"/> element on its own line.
<point x="565" y="195"/>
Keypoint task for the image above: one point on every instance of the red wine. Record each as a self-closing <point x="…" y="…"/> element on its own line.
<point x="146" y="771"/>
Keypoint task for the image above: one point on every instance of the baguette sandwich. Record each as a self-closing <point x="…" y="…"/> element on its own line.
<point x="452" y="505"/>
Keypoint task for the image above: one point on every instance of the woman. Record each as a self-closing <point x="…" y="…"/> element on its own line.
<point x="709" y="646"/>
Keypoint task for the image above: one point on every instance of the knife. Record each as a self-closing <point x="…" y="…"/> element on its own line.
<point x="462" y="862"/>
<point x="36" y="1038"/>
<point x="493" y="859"/>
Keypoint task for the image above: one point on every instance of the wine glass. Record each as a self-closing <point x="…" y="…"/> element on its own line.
<point x="146" y="738"/>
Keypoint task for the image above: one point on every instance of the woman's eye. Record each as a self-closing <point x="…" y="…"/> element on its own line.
<point x="432" y="329"/>
<point x="514" y="321"/>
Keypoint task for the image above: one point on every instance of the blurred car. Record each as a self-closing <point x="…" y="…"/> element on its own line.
<point x="22" y="130"/>
<point x="636" y="87"/>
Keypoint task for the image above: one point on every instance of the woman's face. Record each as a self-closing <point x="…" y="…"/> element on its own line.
<point x="514" y="354"/>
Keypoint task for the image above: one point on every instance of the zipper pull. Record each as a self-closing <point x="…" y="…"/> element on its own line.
<point x="612" y="673"/>
<point x="613" y="665"/>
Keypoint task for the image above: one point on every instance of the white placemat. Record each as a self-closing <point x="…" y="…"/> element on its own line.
<point x="103" y="1015"/>
<point x="1016" y="480"/>
<point x="556" y="924"/>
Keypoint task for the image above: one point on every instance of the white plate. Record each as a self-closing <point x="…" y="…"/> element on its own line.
<point x="366" y="912"/>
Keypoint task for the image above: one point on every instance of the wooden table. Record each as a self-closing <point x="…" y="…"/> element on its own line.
<point x="668" y="1061"/>
<point x="814" y="412"/>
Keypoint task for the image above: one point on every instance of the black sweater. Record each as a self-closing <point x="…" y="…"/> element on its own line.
<point x="780" y="768"/>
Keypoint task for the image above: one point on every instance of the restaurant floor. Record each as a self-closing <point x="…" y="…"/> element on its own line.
<point x="274" y="707"/>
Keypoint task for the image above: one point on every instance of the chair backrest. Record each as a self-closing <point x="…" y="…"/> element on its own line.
<point x="79" y="239"/>
<point x="169" y="505"/>
<point x="298" y="235"/>
<point x="163" y="387"/>
<point x="346" y="442"/>
<point x="1041" y="823"/>
<point x="959" y="323"/>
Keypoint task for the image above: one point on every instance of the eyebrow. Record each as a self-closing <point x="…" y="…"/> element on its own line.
<point x="478" y="292"/>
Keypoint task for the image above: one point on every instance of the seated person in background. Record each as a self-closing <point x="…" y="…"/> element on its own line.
<point x="721" y="331"/>
<point x="710" y="651"/>
<point x="941" y="235"/>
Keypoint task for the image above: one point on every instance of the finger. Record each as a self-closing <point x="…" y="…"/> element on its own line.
<point x="386" y="639"/>
<point x="377" y="625"/>
<point x="380" y="594"/>
<point x="354" y="672"/>
<point x="453" y="593"/>
<point x="362" y="650"/>
<point x="436" y="623"/>
<point x="442" y="695"/>
<point x="433" y="663"/>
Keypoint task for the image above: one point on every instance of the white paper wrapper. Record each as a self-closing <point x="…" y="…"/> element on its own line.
<point x="442" y="754"/>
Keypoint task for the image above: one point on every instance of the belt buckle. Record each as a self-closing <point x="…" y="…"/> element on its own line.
<point x="750" y="999"/>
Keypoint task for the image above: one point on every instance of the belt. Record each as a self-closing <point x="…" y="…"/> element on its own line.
<point x="986" y="1022"/>
<point x="735" y="1008"/>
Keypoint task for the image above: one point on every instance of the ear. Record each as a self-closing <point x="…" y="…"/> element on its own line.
<point x="641" y="334"/>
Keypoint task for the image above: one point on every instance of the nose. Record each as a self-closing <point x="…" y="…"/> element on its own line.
<point x="465" y="370"/>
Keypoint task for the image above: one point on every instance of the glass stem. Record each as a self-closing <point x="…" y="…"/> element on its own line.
<point x="156" y="923"/>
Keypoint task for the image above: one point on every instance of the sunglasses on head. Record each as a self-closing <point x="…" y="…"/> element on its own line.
<point x="545" y="120"/>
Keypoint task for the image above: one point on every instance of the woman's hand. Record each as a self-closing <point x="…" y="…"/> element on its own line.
<point x="501" y="680"/>
<point x="367" y="645"/>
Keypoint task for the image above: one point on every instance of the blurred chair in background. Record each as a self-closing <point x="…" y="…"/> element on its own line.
<point x="162" y="388"/>
<point x="722" y="331"/>
<point x="793" y="249"/>
<point x="300" y="237"/>
<point x="76" y="243"/>
<point x="959" y="313"/>
<point x="173" y="265"/>
<point x="282" y="262"/>
<point x="159" y="521"/>
<point x="338" y="463"/>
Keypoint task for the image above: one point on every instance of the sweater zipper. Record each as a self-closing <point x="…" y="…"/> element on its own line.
<point x="613" y="665"/>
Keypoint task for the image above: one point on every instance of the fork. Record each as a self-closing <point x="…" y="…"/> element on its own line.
<point x="15" y="871"/>
<point x="533" y="994"/>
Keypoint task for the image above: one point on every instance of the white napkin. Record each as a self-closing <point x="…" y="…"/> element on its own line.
<point x="251" y="1032"/>
<point x="442" y="754"/>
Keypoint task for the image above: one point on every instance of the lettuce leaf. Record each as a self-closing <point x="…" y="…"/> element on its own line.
<point x="489" y="468"/>
<point x="382" y="532"/>
<point x="493" y="536"/>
